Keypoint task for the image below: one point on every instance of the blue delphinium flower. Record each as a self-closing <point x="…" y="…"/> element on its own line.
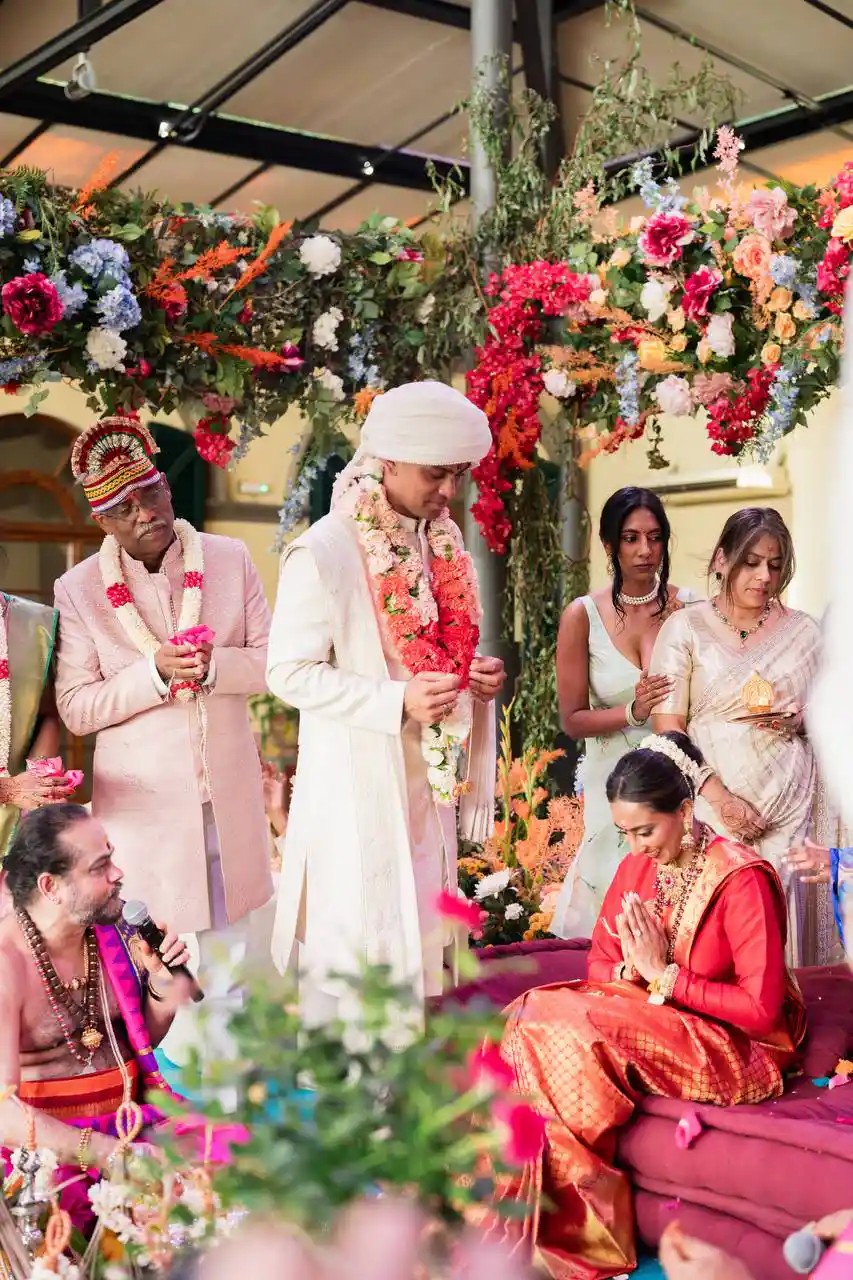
<point x="783" y="270"/>
<point x="119" y="309"/>
<point x="8" y="216"/>
<point x="296" y="499"/>
<point x="72" y="296"/>
<point x="807" y="292"/>
<point x="30" y="265"/>
<point x="99" y="258"/>
<point x="11" y="370"/>
<point x="628" y="388"/>
<point x="784" y="394"/>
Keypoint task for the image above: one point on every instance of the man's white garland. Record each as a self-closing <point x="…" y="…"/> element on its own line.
<point x="127" y="613"/>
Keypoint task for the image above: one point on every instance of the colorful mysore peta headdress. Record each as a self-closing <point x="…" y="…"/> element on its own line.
<point x="111" y="459"/>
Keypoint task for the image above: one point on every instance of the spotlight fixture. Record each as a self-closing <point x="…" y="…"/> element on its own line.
<point x="82" y="81"/>
<point x="367" y="169"/>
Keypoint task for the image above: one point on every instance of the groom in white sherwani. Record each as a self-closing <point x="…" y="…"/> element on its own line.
<point x="374" y="641"/>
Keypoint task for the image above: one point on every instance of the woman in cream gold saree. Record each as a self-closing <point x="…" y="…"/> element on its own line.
<point x="742" y="666"/>
<point x="687" y="997"/>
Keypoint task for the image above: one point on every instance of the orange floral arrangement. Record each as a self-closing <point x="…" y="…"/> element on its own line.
<point x="516" y="876"/>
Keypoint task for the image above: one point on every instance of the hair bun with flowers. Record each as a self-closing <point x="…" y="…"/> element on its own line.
<point x="693" y="772"/>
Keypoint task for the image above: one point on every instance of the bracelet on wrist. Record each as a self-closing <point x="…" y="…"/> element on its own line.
<point x="661" y="989"/>
<point x="633" y="719"/>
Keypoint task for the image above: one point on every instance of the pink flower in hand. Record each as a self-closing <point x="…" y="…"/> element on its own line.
<point x="525" y="1132"/>
<point x="194" y="635"/>
<point x="46" y="767"/>
<point x="451" y="907"/>
<point x="488" y="1066"/>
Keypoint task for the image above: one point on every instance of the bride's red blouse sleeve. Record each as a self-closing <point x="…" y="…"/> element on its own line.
<point x="737" y="972"/>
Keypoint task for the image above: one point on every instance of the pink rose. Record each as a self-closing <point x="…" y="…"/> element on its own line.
<point x="32" y="303"/>
<point x="769" y="212"/>
<point x="752" y="256"/>
<point x="708" y="387"/>
<point x="46" y="767"/>
<point x="698" y="291"/>
<point x="194" y="635"/>
<point x="663" y="238"/>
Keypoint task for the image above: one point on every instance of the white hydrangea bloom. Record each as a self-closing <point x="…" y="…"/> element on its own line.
<point x="326" y="329"/>
<point x="333" y="384"/>
<point x="106" y="349"/>
<point x="558" y="383"/>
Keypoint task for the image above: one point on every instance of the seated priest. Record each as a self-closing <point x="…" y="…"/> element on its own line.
<point x="82" y="997"/>
<point x="687" y="996"/>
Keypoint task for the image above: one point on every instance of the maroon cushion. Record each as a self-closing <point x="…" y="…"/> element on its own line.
<point x="509" y="971"/>
<point x="828" y="994"/>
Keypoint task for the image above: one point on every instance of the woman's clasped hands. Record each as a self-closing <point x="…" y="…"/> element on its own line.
<point x="643" y="939"/>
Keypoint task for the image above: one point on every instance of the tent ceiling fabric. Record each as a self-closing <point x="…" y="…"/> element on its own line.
<point x="372" y="77"/>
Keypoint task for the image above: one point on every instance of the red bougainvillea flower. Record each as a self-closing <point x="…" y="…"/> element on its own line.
<point x="461" y="911"/>
<point x="525" y="1136"/>
<point x="699" y="288"/>
<point x="215" y="446"/>
<point x="32" y="303"/>
<point x="488" y="1066"/>
<point x="664" y="237"/>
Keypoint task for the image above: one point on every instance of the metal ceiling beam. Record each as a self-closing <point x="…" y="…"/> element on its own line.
<point x="831" y="13"/>
<point x="20" y="147"/>
<point x="82" y="35"/>
<point x="535" y="24"/>
<point x="441" y="11"/>
<point x="564" y="10"/>
<point x="240" y="183"/>
<point x="227" y="136"/>
<point x="732" y="60"/>
<point x="193" y="118"/>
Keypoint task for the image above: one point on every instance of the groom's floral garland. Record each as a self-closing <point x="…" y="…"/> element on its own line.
<point x="432" y="616"/>
<point x="5" y="694"/>
<point x="119" y="595"/>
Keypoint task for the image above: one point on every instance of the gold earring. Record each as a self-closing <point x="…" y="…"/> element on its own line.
<point x="688" y="844"/>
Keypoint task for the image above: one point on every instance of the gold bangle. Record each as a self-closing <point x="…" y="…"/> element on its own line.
<point x="82" y="1148"/>
<point x="662" y="988"/>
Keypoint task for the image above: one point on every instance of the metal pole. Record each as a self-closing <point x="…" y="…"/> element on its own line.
<point x="491" y="40"/>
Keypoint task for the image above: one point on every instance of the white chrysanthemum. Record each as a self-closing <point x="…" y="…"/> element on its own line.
<point x="106" y="349"/>
<point x="514" y="911"/>
<point x="673" y="396"/>
<point x="495" y="883"/>
<point x="321" y="255"/>
<point x="654" y="298"/>
<point x="333" y="384"/>
<point x="558" y="383"/>
<point x="325" y="329"/>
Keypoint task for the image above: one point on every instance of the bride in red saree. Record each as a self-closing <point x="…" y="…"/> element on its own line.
<point x="687" y="996"/>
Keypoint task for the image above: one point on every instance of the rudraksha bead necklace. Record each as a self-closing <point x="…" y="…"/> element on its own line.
<point x="58" y="994"/>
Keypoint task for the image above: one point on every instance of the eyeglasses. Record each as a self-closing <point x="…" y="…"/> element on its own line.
<point x="152" y="496"/>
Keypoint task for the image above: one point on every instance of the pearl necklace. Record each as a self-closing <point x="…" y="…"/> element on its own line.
<point x="743" y="632"/>
<point x="638" y="600"/>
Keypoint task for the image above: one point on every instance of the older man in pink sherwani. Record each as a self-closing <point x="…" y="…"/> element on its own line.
<point x="176" y="778"/>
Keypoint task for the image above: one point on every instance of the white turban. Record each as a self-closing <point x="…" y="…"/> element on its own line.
<point x="428" y="423"/>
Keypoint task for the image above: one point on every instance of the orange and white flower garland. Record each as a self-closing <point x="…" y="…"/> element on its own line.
<point x="119" y="595"/>
<point x="5" y="693"/>
<point x="433" y="616"/>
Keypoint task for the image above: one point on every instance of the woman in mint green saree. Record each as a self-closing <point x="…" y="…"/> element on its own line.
<point x="29" y="724"/>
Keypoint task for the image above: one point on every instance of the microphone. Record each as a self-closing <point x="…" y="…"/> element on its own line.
<point x="136" y="915"/>
<point x="803" y="1251"/>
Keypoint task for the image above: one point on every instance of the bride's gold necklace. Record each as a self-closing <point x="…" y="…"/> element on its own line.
<point x="743" y="632"/>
